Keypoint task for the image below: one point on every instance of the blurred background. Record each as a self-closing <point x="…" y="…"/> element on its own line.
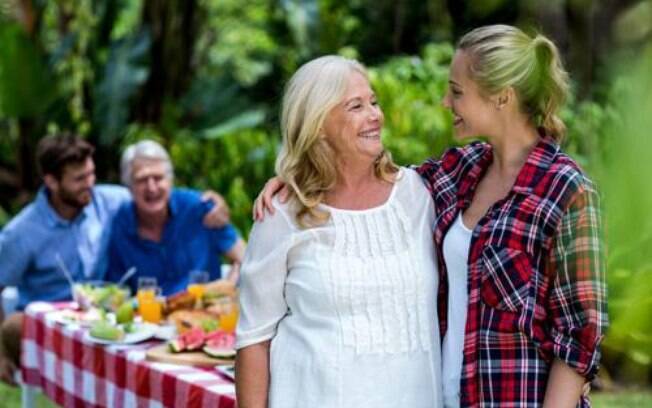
<point x="204" y="77"/>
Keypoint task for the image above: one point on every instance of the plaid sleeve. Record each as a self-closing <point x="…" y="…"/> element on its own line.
<point x="577" y="301"/>
<point x="427" y="170"/>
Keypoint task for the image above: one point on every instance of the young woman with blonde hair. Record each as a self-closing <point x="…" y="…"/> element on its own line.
<point x="518" y="232"/>
<point x="522" y="297"/>
<point x="338" y="286"/>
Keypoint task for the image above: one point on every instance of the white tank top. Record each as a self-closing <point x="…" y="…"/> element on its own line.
<point x="457" y="243"/>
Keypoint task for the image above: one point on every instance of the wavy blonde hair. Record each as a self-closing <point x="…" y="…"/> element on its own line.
<point x="306" y="161"/>
<point x="504" y="56"/>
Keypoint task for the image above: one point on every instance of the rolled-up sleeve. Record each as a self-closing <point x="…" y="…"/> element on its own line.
<point x="263" y="274"/>
<point x="577" y="302"/>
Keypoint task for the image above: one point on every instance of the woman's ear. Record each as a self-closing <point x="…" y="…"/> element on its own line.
<point x="504" y="98"/>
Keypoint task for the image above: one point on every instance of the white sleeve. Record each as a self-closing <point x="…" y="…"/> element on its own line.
<point x="262" y="284"/>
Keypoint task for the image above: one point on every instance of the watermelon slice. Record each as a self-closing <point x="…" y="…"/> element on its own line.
<point x="194" y="339"/>
<point x="176" y="345"/>
<point x="220" y="344"/>
<point x="220" y="339"/>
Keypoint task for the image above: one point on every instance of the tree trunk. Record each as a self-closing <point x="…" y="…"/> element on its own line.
<point x="173" y="26"/>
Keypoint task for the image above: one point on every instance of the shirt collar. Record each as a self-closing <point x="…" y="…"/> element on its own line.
<point x="536" y="165"/>
<point x="52" y="218"/>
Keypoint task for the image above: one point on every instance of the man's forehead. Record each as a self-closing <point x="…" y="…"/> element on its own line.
<point x="148" y="168"/>
<point x="75" y="168"/>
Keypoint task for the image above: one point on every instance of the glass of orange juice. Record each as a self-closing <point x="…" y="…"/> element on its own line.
<point x="196" y="282"/>
<point x="229" y="315"/>
<point x="149" y="306"/>
<point x="150" y="310"/>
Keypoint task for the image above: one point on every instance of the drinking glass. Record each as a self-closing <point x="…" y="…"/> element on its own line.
<point x="229" y="315"/>
<point x="149" y="307"/>
<point x="147" y="286"/>
<point x="196" y="282"/>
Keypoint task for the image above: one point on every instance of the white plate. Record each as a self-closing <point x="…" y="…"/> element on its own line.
<point x="69" y="317"/>
<point x="166" y="332"/>
<point x="143" y="332"/>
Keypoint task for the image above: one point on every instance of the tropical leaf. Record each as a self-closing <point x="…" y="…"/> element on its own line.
<point x="26" y="84"/>
<point x="123" y="75"/>
<point x="245" y="120"/>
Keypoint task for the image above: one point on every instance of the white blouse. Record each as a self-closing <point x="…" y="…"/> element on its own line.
<point x="350" y="305"/>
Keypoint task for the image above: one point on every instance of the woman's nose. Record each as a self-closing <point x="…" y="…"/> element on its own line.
<point x="446" y="100"/>
<point x="374" y="112"/>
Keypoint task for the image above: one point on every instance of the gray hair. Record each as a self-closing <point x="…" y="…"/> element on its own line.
<point x="145" y="149"/>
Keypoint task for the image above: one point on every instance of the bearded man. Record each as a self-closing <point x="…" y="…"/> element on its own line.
<point x="69" y="222"/>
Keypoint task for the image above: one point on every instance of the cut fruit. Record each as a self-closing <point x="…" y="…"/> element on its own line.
<point x="220" y="339"/>
<point x="193" y="339"/>
<point x="176" y="346"/>
<point x="125" y="313"/>
<point x="106" y="331"/>
<point x="218" y="352"/>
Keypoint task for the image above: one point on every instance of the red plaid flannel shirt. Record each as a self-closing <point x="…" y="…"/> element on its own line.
<point x="536" y="274"/>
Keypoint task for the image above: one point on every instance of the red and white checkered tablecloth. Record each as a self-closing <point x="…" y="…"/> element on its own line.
<point x="76" y="373"/>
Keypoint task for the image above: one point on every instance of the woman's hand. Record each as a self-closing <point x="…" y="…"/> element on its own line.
<point x="264" y="200"/>
<point x="565" y="386"/>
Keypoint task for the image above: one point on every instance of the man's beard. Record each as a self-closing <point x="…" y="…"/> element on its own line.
<point x="74" y="200"/>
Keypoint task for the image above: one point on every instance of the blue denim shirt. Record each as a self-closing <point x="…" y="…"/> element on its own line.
<point x="186" y="244"/>
<point x="31" y="240"/>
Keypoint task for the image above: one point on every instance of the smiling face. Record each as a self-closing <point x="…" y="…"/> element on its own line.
<point x="74" y="187"/>
<point x="353" y="126"/>
<point x="150" y="185"/>
<point x="474" y="114"/>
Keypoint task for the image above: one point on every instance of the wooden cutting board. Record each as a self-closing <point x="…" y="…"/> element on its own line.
<point x="162" y="354"/>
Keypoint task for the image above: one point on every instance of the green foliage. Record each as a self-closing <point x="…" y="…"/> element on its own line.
<point x="74" y="68"/>
<point x="123" y="75"/>
<point x="410" y="90"/>
<point x="25" y="83"/>
<point x="624" y="177"/>
<point x="236" y="39"/>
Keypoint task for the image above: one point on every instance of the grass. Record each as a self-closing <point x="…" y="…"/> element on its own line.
<point x="622" y="399"/>
<point x="10" y="398"/>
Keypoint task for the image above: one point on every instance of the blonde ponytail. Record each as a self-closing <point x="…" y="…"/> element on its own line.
<point x="504" y="56"/>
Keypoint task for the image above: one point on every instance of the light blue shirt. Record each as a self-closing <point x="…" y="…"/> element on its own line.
<point x="30" y="242"/>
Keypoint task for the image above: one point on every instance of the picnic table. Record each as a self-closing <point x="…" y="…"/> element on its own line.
<point x="74" y="372"/>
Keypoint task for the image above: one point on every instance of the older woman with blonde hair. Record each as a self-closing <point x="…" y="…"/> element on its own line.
<point x="338" y="285"/>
